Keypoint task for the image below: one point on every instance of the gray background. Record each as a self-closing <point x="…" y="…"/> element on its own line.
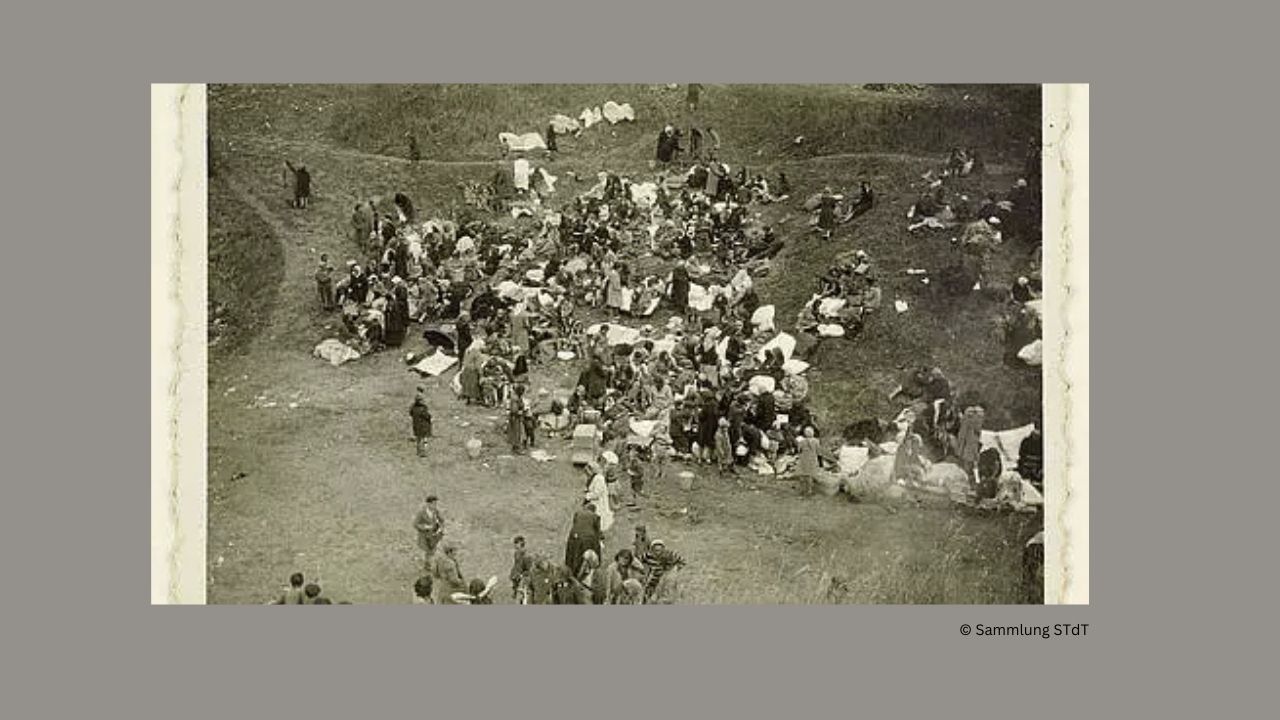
<point x="1181" y="179"/>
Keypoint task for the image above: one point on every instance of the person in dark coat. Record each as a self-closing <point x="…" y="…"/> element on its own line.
<point x="405" y="205"/>
<point x="421" y="416"/>
<point x="301" y="184"/>
<point x="397" y="313"/>
<point x="680" y="288"/>
<point x="463" y="329"/>
<point x="584" y="534"/>
<point x="708" y="423"/>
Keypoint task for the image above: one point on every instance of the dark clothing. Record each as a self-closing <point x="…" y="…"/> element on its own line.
<point x="667" y="145"/>
<point x="464" y="337"/>
<point x="1031" y="458"/>
<point x="421" y="416"/>
<point x="680" y="288"/>
<point x="584" y="534"/>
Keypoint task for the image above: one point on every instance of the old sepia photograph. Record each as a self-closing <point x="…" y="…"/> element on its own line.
<point x="690" y="344"/>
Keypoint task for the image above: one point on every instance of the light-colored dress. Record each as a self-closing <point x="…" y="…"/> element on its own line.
<point x="598" y="494"/>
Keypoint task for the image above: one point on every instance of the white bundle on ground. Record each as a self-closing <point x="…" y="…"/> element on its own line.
<point x="795" y="366"/>
<point x="831" y="330"/>
<point x="522" y="143"/>
<point x="762" y="318"/>
<point x="1032" y="354"/>
<point x="782" y="341"/>
<point x="563" y="124"/>
<point x="700" y="298"/>
<point x="761" y="384"/>
<point x="1007" y="442"/>
<point x="520" y="171"/>
<point x="615" y="113"/>
<point x="549" y="180"/>
<point x="644" y="194"/>
<point x="335" y="351"/>
<point x="831" y="307"/>
<point x="591" y="116"/>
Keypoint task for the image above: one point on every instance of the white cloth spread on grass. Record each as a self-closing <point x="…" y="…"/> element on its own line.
<point x="435" y="364"/>
<point x="335" y="351"/>
<point x="522" y="143"/>
<point x="617" y="334"/>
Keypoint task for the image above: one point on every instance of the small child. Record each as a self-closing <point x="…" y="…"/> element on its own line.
<point x="311" y="594"/>
<point x="478" y="592"/>
<point x="293" y="594"/>
<point x="324" y="283"/>
<point x="724" y="447"/>
<point x="521" y="566"/>
<point x="635" y="473"/>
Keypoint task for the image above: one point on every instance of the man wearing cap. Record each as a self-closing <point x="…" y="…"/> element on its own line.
<point x="429" y="522"/>
<point x="421" y="416"/>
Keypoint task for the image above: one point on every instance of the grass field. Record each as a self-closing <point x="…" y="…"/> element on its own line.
<point x="312" y="468"/>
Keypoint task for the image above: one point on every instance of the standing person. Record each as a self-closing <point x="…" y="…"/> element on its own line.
<point x="520" y="327"/>
<point x="448" y="575"/>
<point x="552" y="148"/>
<point x="515" y="420"/>
<point x="597" y="495"/>
<point x="807" y="468"/>
<point x="301" y="184"/>
<point x="429" y="522"/>
<point x="680" y="287"/>
<point x="708" y="422"/>
<point x="613" y="290"/>
<point x="469" y="376"/>
<point x="415" y="154"/>
<point x="827" y="212"/>
<point x="463" y="329"/>
<point x="693" y="96"/>
<point x="397" y="312"/>
<point x="521" y="568"/>
<point x="724" y="447"/>
<point x="324" y="282"/>
<point x="292" y="595"/>
<point x="584" y="534"/>
<point x="421" y="416"/>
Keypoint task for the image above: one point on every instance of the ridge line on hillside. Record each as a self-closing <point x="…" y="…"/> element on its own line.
<point x="360" y="154"/>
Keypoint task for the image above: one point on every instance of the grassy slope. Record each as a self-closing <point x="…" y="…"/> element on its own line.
<point x="246" y="266"/>
<point x="301" y="463"/>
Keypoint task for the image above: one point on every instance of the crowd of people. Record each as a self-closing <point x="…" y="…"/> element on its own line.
<point x="714" y="384"/>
